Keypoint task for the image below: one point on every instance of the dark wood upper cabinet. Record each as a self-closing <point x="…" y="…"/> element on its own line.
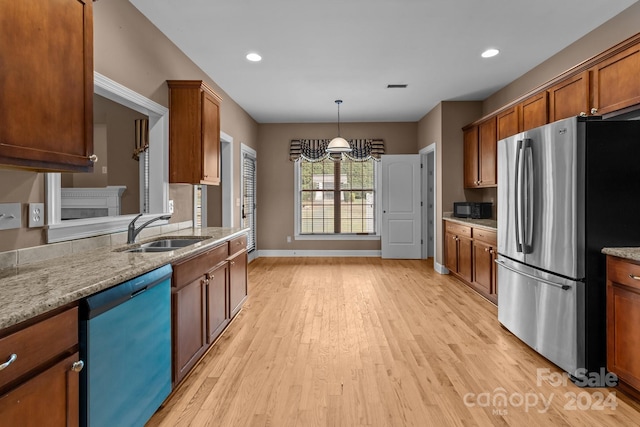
<point x="487" y="153"/>
<point x="534" y="111"/>
<point x="480" y="154"/>
<point x="616" y="81"/>
<point x="46" y="82"/>
<point x="471" y="157"/>
<point x="508" y="122"/>
<point x="569" y="98"/>
<point x="194" y="133"/>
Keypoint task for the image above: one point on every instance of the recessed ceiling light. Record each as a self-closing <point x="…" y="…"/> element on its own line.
<point x="254" y="57"/>
<point x="490" y="53"/>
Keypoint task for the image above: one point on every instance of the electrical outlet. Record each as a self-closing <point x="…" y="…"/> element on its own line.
<point x="36" y="215"/>
<point x="288" y="239"/>
<point x="170" y="206"/>
<point x="10" y="216"/>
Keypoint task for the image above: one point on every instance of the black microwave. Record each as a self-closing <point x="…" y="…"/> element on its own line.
<point x="472" y="210"/>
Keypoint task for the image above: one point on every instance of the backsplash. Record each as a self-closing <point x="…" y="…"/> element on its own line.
<point x="55" y="250"/>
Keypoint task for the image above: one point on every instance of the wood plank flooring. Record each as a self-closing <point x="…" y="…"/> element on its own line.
<point x="372" y="342"/>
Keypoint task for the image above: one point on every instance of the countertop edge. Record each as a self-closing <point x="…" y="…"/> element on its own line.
<point x="629" y="253"/>
<point x="487" y="224"/>
<point x="22" y="302"/>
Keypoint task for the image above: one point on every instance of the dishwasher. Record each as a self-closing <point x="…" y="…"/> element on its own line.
<point x="125" y="341"/>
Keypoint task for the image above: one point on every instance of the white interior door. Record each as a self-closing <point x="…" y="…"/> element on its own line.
<point x="401" y="212"/>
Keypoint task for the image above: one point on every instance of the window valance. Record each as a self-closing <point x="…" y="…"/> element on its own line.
<point x="315" y="150"/>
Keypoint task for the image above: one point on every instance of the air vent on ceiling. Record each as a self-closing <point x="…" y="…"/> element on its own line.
<point x="396" y="86"/>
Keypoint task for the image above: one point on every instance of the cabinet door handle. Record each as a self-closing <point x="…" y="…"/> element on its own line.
<point x="634" y="277"/>
<point x="12" y="359"/>
<point x="93" y="158"/>
<point x="594" y="110"/>
<point x="77" y="366"/>
<point x="233" y="263"/>
<point x="487" y="249"/>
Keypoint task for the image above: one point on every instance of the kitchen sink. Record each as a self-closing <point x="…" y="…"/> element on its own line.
<point x="165" y="245"/>
<point x="172" y="243"/>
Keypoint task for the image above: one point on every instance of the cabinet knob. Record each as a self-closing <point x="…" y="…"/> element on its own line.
<point x="487" y="249"/>
<point x="77" y="366"/>
<point x="233" y="263"/>
<point x="11" y="359"/>
<point x="594" y="110"/>
<point x="93" y="158"/>
<point x="583" y="114"/>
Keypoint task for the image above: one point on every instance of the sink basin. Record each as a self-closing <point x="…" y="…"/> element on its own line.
<point x="165" y="245"/>
<point x="169" y="244"/>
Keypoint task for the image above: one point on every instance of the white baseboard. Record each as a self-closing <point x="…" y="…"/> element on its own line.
<point x="439" y="268"/>
<point x="316" y="253"/>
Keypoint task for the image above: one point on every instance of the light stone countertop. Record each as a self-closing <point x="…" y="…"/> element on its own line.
<point x="489" y="224"/>
<point x="30" y="290"/>
<point x="632" y="254"/>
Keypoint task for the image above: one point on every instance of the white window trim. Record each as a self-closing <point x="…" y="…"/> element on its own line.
<point x="297" y="213"/>
<point x="58" y="230"/>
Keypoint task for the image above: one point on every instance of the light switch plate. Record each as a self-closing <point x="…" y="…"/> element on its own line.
<point x="10" y="216"/>
<point x="36" y="215"/>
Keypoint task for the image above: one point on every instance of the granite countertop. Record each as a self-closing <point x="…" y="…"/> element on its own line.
<point x="632" y="254"/>
<point x="33" y="289"/>
<point x="489" y="224"/>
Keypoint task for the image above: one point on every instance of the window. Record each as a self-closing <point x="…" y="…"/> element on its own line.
<point x="249" y="195"/>
<point x="336" y="197"/>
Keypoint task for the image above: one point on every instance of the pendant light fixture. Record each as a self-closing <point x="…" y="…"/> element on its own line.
<point x="338" y="144"/>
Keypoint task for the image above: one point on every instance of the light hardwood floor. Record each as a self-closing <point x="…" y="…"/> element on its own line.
<point x="366" y="341"/>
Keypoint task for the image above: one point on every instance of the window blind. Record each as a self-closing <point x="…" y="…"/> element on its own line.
<point x="249" y="199"/>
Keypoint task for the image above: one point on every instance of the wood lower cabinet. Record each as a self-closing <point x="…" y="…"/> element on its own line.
<point x="189" y="326"/>
<point x="238" y="282"/>
<point x="209" y="289"/>
<point x="40" y="383"/>
<point x="46" y="82"/>
<point x="615" y="83"/>
<point x="484" y="270"/>
<point x="623" y="320"/>
<point x="194" y="133"/>
<point x="470" y="255"/>
<point x="458" y="248"/>
<point x="218" y="315"/>
<point x="49" y="399"/>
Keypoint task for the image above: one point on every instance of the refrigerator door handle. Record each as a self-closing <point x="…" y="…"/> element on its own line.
<point x="518" y="197"/>
<point x="527" y="150"/>
<point x="531" y="276"/>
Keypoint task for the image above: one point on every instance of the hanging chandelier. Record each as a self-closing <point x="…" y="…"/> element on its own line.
<point x="338" y="144"/>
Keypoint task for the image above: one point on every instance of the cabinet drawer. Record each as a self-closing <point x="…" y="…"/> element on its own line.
<point x="486" y="236"/>
<point x="458" y="229"/>
<point x="185" y="272"/>
<point x="237" y="244"/>
<point x="623" y="271"/>
<point x="38" y="344"/>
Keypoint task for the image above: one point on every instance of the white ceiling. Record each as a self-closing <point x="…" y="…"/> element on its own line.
<point x="315" y="52"/>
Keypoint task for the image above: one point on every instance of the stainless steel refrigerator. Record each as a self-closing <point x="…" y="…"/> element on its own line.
<point x="565" y="191"/>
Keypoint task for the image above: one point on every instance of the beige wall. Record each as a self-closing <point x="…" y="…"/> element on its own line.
<point x="133" y="52"/>
<point x="275" y="207"/>
<point x="612" y="32"/>
<point x="443" y="125"/>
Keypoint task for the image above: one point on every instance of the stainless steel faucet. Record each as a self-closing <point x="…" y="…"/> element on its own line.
<point x="132" y="232"/>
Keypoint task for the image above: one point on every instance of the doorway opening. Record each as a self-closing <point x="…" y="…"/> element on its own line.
<point x="429" y="205"/>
